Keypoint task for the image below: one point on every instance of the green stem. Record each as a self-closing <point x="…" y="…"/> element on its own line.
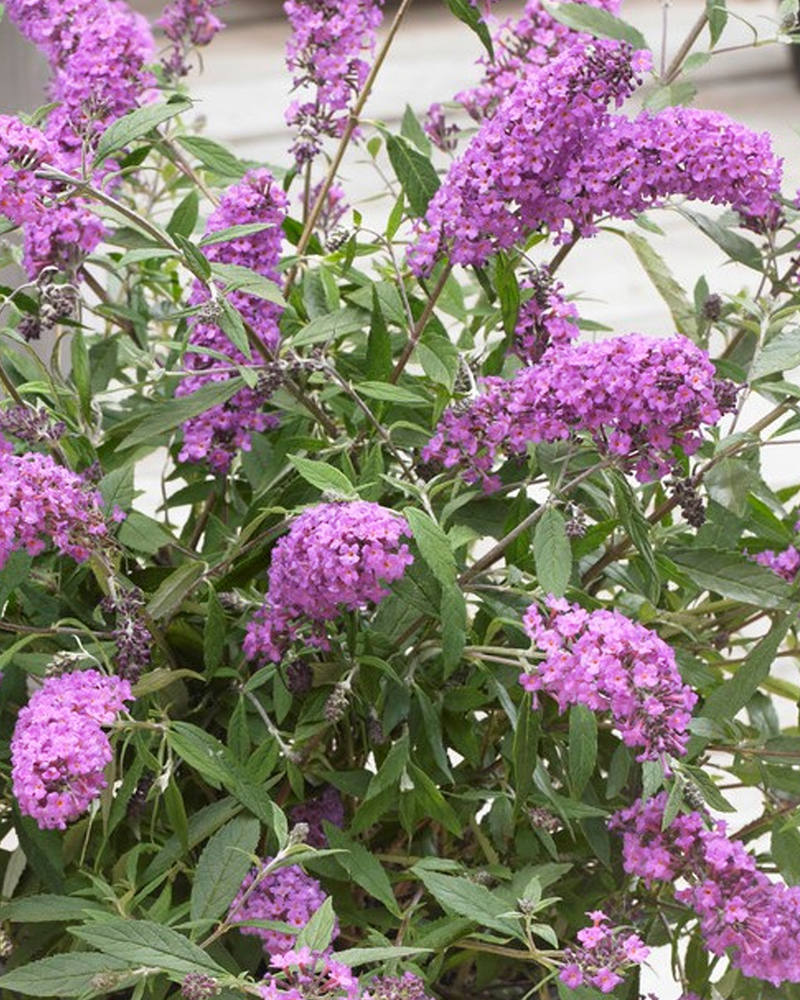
<point x="419" y="326"/>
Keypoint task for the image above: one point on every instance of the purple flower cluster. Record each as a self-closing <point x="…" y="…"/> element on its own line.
<point x="786" y="563"/>
<point x="609" y="663"/>
<point x="740" y="910"/>
<point x="286" y="894"/>
<point x="98" y="51"/>
<point x="327" y="806"/>
<point x="59" y="751"/>
<point x="637" y="396"/>
<point x="554" y="156"/>
<point x="41" y="501"/>
<point x="405" y="987"/>
<point x="188" y="24"/>
<point x="217" y="434"/>
<point x="324" y="52"/>
<point x="605" y="952"/>
<point x="522" y="46"/>
<point x="545" y="319"/>
<point x="308" y="975"/>
<point x="336" y="557"/>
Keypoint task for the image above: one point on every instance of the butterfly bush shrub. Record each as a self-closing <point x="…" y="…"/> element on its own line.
<point x="435" y="668"/>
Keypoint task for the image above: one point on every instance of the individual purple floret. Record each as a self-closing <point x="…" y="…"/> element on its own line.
<point x="554" y="157"/>
<point x="59" y="751"/>
<point x="326" y="807"/>
<point x="609" y="663"/>
<point x="605" y="952"/>
<point x="741" y="911"/>
<point x="309" y="975"/>
<point x="42" y="502"/>
<point x="637" y="396"/>
<point x="216" y="435"/>
<point x="325" y="55"/>
<point x="188" y="24"/>
<point x="336" y="557"/>
<point x="286" y="894"/>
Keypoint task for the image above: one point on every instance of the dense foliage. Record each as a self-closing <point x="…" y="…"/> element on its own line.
<point x="459" y="614"/>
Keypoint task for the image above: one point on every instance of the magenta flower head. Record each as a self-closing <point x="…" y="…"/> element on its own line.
<point x="605" y="661"/>
<point x="336" y="557"/>
<point x="606" y="952"/>
<point x="59" y="751"/>
<point x="188" y="24"/>
<point x="286" y="894"/>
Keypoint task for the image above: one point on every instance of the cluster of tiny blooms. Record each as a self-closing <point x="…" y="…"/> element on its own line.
<point x="605" y="952"/>
<point x="637" y="396"/>
<point x="309" y="975"/>
<point x="59" y="751"/>
<point x="609" y="663"/>
<point x="219" y="432"/>
<point x="326" y="807"/>
<point x="522" y="46"/>
<point x="545" y="319"/>
<point x="286" y="894"/>
<point x="199" y="986"/>
<point x="587" y="163"/>
<point x="405" y="987"/>
<point x="98" y="51"/>
<point x="41" y="502"/>
<point x="188" y="24"/>
<point x="786" y="563"/>
<point x="325" y="54"/>
<point x="740" y="910"/>
<point x="336" y="557"/>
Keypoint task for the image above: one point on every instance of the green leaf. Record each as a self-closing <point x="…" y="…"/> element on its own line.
<point x="233" y="233"/>
<point x="46" y="907"/>
<point x="362" y="867"/>
<point x="142" y="533"/>
<point x="454" y="627"/>
<point x="164" y="417"/>
<point x="734" y="694"/>
<point x="552" y="553"/>
<point x="81" y="374"/>
<point x="117" y="488"/>
<point x="734" y="245"/>
<point x="174" y="589"/>
<point x="433" y="544"/>
<point x="468" y="13"/>
<point x="412" y="130"/>
<point x="785" y="848"/>
<point x="468" y="899"/>
<point x="638" y="529"/>
<point x="324" y="476"/>
<point x="779" y="355"/>
<point x="582" y="747"/>
<point x="508" y="293"/>
<point x="331" y="327"/>
<point x="213" y="156"/>
<point x="318" y="932"/>
<point x="184" y="218"/>
<point x="717" y="19"/>
<point x="439" y="359"/>
<point x="201" y="825"/>
<point x="387" y="953"/>
<point x="732" y="575"/>
<point x="222" y="867"/>
<point x="597" y="22"/>
<point x="416" y="173"/>
<point x="238" y="278"/>
<point x="232" y="325"/>
<point x="389" y="393"/>
<point x="68" y="975"/>
<point x="144" y="942"/>
<point x="214" y="633"/>
<point x="134" y="125"/>
<point x="680" y="93"/>
<point x="194" y="259"/>
<point x="668" y="288"/>
<point x="379" y="343"/>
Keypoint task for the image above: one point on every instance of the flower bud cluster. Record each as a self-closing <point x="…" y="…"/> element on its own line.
<point x="131" y="633"/>
<point x="336" y="557"/>
<point x="309" y="975"/>
<point x="605" y="952"/>
<point x="609" y="663"/>
<point x="740" y="910"/>
<point x="324" y="52"/>
<point x="286" y="894"/>
<point x="218" y="433"/>
<point x="636" y="396"/>
<point x="31" y="426"/>
<point x="41" y="502"/>
<point x="59" y="751"/>
<point x="406" y="987"/>
<point x="327" y="806"/>
<point x="188" y="24"/>
<point x="587" y="162"/>
<point x="545" y="319"/>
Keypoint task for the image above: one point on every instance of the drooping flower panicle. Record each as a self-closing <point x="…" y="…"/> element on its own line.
<point x="309" y="975"/>
<point x="188" y="24"/>
<point x="59" y="751"/>
<point x="605" y="954"/>
<point x="609" y="663"/>
<point x="336" y="557"/>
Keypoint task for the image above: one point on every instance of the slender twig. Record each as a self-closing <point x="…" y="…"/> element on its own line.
<point x="674" y="67"/>
<point x="419" y="326"/>
<point x="180" y="161"/>
<point x="344" y="142"/>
